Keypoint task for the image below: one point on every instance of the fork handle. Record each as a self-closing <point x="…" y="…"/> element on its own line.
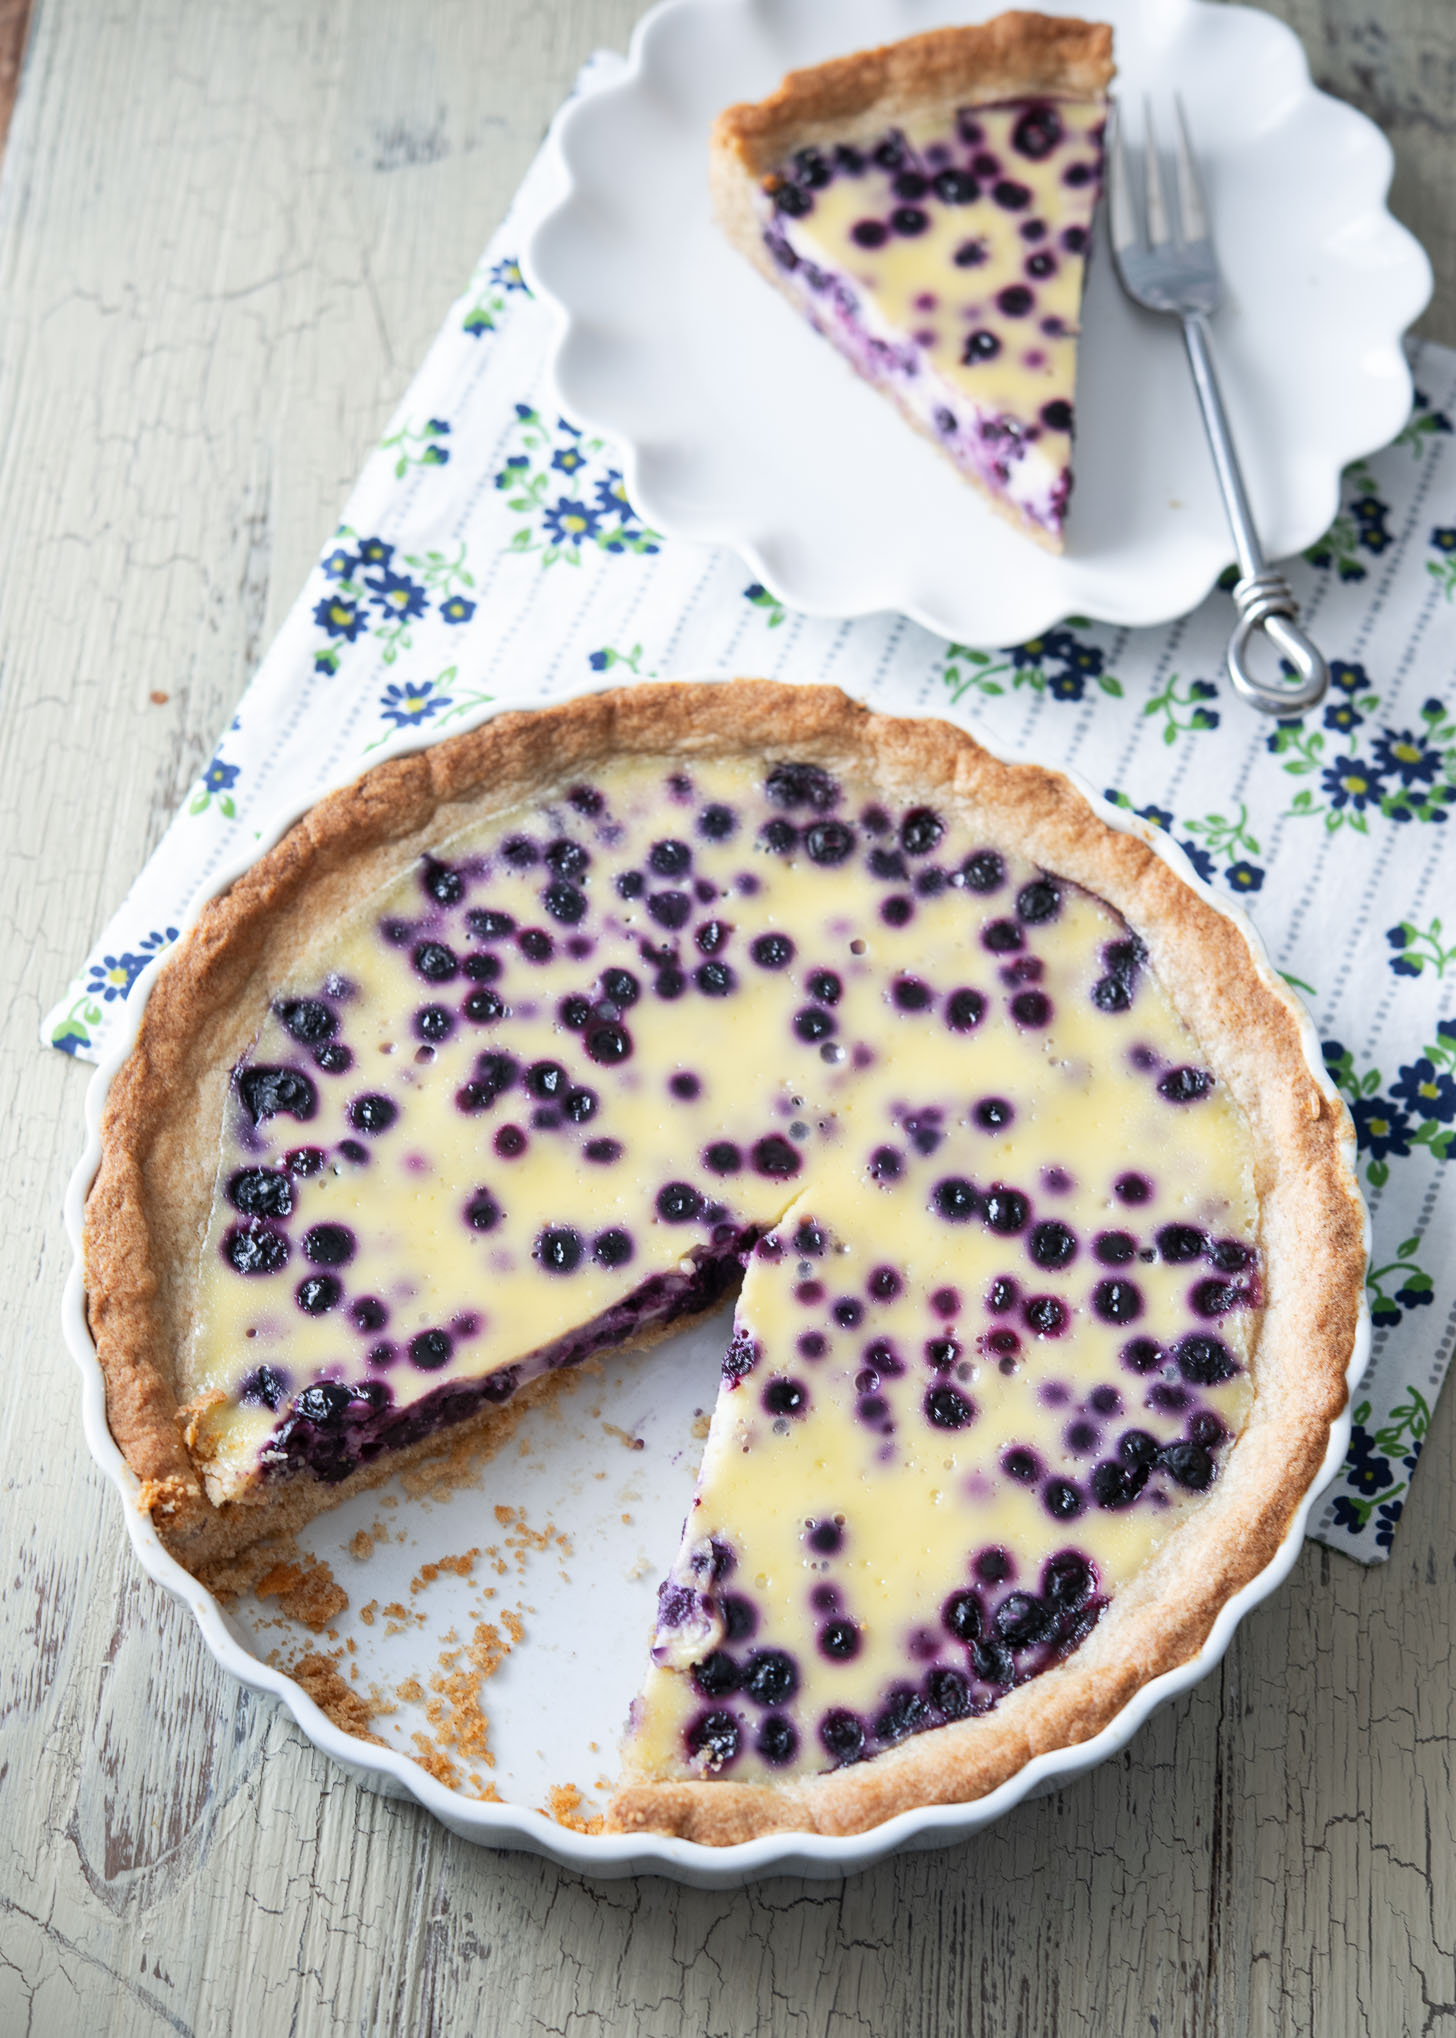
<point x="1263" y="597"/>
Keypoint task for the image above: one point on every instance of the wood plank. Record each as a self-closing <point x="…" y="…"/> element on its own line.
<point x="14" y="22"/>
<point x="226" y="235"/>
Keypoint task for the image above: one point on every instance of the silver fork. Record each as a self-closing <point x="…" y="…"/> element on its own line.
<point x="1173" y="269"/>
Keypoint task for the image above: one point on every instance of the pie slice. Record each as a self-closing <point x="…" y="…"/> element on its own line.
<point x="549" y="1037"/>
<point x="928" y="208"/>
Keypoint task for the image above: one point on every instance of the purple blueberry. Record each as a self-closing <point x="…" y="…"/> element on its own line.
<point x="431" y="1349"/>
<point x="1185" y="1085"/>
<point x="828" y="842"/>
<point x="607" y="1042"/>
<point x="717" y="823"/>
<point x="1052" y="1244"/>
<point x="778" y="1741"/>
<point x="558" y="1249"/>
<point x="1116" y="1485"/>
<point x="1063" y="1501"/>
<point x="482" y="1006"/>
<point x="983" y="871"/>
<point x="715" y="979"/>
<point x="1188" y="1463"/>
<point x="1006" y="1210"/>
<point x="770" y="1677"/>
<point x="1117" y="1301"/>
<point x="786" y="1397"/>
<point x="1046" y="1316"/>
<point x="1204" y="1360"/>
<point x="801" y="785"/>
<point x="318" y="1293"/>
<point x="329" y="1245"/>
<point x="255" y="1249"/>
<point x="714" y="1736"/>
<point x="910" y="994"/>
<point x="1023" y="1620"/>
<point x="773" y="1155"/>
<point x="620" y="989"/>
<point x="264" y="1387"/>
<point x="904" y="1713"/>
<point x="1068" y="1581"/>
<point x="813" y="1024"/>
<point x="1142" y="1355"/>
<point x="267" y="1091"/>
<point x="1037" y="133"/>
<point x="564" y="903"/>
<point x="261" y="1192"/>
<point x="842" y="1735"/>
<point x="772" y="951"/>
<point x="954" y="1199"/>
<point x="435" y="962"/>
<point x="310" y="1022"/>
<point x="947" y="1408"/>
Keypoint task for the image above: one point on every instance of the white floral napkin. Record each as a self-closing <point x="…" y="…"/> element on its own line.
<point x="489" y="552"/>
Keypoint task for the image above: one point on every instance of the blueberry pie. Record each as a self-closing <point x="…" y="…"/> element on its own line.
<point x="1046" y="1247"/>
<point x="927" y="207"/>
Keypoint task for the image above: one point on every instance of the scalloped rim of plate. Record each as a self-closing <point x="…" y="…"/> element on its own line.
<point x="519" y="1827"/>
<point x="1383" y="360"/>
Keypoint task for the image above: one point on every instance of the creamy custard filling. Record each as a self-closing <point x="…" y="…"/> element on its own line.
<point x="947" y="263"/>
<point x="564" y="1078"/>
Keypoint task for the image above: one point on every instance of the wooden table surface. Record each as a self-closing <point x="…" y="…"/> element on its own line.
<point x="227" y="232"/>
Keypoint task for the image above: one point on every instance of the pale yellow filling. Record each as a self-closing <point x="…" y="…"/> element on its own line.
<point x="917" y="1503"/>
<point x="911" y="287"/>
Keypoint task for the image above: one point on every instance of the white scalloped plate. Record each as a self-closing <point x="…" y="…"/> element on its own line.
<point x="740" y="427"/>
<point x="573" y="1677"/>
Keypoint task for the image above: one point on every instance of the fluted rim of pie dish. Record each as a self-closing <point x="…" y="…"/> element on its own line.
<point x="636" y="1852"/>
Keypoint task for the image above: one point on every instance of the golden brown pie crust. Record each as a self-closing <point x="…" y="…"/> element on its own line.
<point x="856" y="98"/>
<point x="148" y="1206"/>
<point x="1016" y="56"/>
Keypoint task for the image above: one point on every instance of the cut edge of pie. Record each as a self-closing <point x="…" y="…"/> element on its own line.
<point x="1018" y="55"/>
<point x="155" y="1182"/>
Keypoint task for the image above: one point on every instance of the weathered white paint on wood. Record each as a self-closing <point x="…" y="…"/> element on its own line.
<point x="227" y="231"/>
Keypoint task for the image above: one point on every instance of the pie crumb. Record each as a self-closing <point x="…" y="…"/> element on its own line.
<point x="306" y="1592"/>
<point x="320" y="1678"/>
<point x="564" y="1803"/>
